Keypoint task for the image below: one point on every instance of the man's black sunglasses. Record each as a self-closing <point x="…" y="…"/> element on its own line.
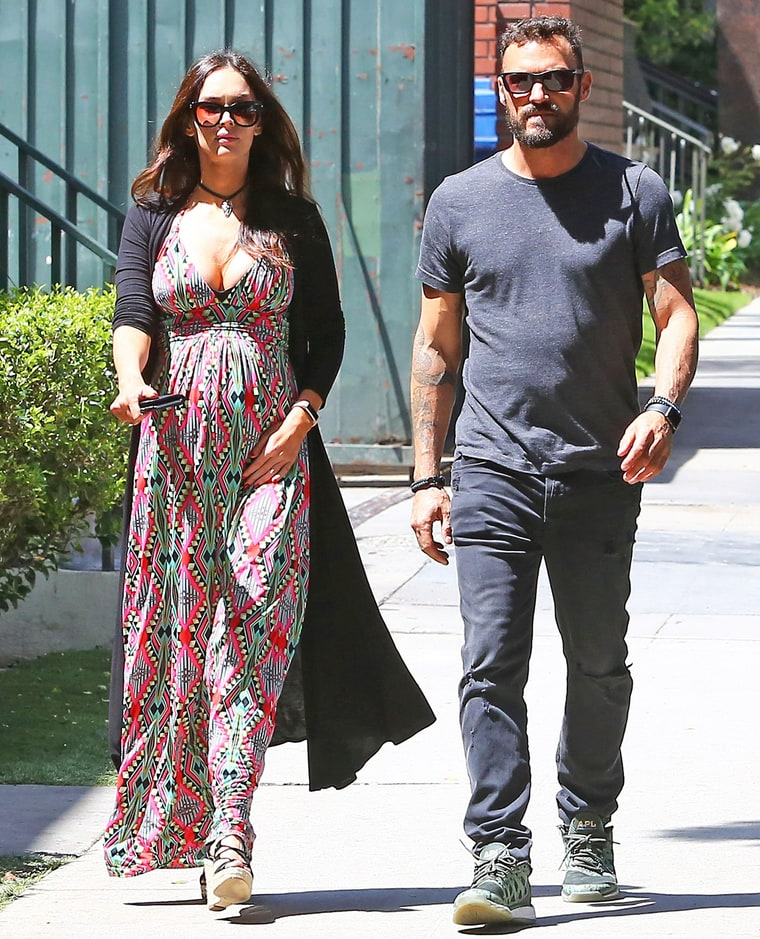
<point x="243" y="113"/>
<point x="555" y="79"/>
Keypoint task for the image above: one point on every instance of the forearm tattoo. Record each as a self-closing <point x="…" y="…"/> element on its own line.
<point x="432" y="396"/>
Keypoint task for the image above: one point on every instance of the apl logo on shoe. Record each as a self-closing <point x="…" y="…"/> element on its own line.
<point x="584" y="823"/>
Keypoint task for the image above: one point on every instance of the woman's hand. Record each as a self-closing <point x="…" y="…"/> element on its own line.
<point x="126" y="405"/>
<point x="277" y="449"/>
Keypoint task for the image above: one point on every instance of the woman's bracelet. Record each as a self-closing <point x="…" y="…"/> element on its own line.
<point x="306" y="406"/>
<point x="428" y="482"/>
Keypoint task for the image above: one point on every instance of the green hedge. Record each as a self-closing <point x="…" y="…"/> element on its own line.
<point x="62" y="454"/>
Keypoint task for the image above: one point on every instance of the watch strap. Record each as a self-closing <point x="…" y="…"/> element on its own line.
<point x="669" y="410"/>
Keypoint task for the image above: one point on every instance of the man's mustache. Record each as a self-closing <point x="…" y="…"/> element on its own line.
<point x="531" y="109"/>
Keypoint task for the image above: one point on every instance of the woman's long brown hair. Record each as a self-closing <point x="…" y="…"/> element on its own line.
<point x="276" y="165"/>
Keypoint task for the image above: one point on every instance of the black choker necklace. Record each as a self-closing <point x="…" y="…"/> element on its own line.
<point x="226" y="200"/>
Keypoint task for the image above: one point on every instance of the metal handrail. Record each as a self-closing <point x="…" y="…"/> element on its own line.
<point x="27" y="157"/>
<point x="700" y="96"/>
<point x="667" y="127"/>
<point x="685" y="123"/>
<point x="74" y="182"/>
<point x="680" y="159"/>
<point x="59" y="225"/>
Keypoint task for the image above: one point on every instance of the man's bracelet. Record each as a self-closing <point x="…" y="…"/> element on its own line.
<point x="667" y="408"/>
<point x="306" y="406"/>
<point x="428" y="482"/>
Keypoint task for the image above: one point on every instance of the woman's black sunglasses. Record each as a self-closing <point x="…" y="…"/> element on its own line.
<point x="243" y="113"/>
<point x="555" y="79"/>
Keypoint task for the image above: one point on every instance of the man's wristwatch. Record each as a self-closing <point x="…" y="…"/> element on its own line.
<point x="667" y="408"/>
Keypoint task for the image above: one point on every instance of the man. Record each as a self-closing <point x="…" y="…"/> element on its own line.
<point x="550" y="245"/>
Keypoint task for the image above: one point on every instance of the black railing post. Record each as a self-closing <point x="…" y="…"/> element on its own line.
<point x="24" y="240"/>
<point x="70" y="265"/>
<point x="4" y="272"/>
<point x="55" y="255"/>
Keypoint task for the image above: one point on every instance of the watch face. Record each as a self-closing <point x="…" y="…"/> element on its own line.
<point x="669" y="411"/>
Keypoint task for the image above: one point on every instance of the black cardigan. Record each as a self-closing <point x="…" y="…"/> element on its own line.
<point x="348" y="690"/>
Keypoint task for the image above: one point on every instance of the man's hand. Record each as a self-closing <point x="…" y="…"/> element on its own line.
<point x="431" y="506"/>
<point x="645" y="447"/>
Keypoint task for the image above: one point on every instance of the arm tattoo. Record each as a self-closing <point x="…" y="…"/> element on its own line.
<point x="423" y="366"/>
<point x="657" y="282"/>
<point x="652" y="289"/>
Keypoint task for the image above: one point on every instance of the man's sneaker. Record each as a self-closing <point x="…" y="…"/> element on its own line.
<point x="590" y="876"/>
<point x="500" y="891"/>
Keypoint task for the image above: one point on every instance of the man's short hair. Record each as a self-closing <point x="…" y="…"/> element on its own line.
<point x="542" y="29"/>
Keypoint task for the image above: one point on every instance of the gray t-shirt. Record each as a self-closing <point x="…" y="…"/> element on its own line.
<point x="551" y="274"/>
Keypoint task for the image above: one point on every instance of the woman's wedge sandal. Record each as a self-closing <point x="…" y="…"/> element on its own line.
<point x="224" y="880"/>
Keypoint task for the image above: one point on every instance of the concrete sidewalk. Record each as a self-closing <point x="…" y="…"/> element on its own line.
<point x="382" y="858"/>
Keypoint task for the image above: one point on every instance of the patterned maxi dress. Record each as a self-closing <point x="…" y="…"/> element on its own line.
<point x="215" y="572"/>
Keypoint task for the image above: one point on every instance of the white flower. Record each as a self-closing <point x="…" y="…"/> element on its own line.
<point x="713" y="190"/>
<point x="732" y="220"/>
<point x="756" y="152"/>
<point x="745" y="238"/>
<point x="728" y="145"/>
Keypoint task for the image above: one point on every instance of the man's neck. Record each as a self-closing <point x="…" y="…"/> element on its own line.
<point x="544" y="162"/>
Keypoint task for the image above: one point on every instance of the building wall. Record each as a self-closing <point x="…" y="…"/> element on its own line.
<point x="738" y="71"/>
<point x="602" y="24"/>
<point x="89" y="82"/>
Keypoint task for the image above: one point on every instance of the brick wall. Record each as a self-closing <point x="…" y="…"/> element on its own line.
<point x="485" y="37"/>
<point x="602" y="24"/>
<point x="738" y="72"/>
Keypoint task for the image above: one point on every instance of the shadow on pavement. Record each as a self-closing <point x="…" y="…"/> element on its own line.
<point x="276" y="905"/>
<point x="720" y="417"/>
<point x="636" y="902"/>
<point x="734" y="831"/>
<point x="714" y="418"/>
<point x="51" y="819"/>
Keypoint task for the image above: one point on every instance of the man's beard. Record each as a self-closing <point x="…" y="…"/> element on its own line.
<point x="562" y="125"/>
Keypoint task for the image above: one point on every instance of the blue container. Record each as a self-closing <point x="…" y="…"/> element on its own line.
<point x="486" y="138"/>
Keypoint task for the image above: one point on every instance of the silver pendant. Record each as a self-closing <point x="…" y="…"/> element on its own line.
<point x="227" y="208"/>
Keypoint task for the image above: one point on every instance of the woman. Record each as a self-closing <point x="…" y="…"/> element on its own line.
<point x="227" y="295"/>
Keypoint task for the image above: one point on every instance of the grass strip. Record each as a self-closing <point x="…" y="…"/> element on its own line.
<point x="713" y="307"/>
<point x="53" y="720"/>
<point x="18" y="872"/>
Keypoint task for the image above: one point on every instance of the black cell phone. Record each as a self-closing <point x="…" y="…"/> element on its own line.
<point x="161" y="402"/>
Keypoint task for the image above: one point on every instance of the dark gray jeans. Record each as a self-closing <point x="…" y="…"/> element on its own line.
<point x="583" y="525"/>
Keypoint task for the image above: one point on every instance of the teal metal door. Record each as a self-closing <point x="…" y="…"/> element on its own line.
<point x="380" y="90"/>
